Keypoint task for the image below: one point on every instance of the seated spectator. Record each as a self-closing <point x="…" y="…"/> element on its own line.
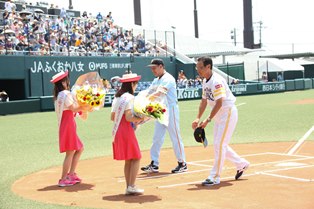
<point x="99" y="17"/>
<point x="198" y="80"/>
<point x="84" y="14"/>
<point x="2" y="48"/>
<point x="4" y="96"/>
<point x="5" y="17"/>
<point x="9" y="6"/>
<point x="264" y="77"/>
<point x="234" y="81"/>
<point x="43" y="50"/>
<point x="115" y="82"/>
<point x="279" y="77"/>
<point x="182" y="79"/>
<point x="63" y="13"/>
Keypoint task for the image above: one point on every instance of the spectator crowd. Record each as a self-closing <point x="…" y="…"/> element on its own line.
<point x="36" y="33"/>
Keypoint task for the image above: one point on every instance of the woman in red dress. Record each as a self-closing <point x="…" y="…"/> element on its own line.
<point x="69" y="142"/>
<point x="125" y="145"/>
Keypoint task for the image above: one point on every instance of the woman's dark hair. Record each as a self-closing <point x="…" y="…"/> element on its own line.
<point x="59" y="87"/>
<point x="126" y="87"/>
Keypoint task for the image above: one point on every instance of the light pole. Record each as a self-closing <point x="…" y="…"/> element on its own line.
<point x="174" y="40"/>
<point x="233" y="34"/>
<point x="259" y="27"/>
<point x="70" y="4"/>
<point x="195" y="20"/>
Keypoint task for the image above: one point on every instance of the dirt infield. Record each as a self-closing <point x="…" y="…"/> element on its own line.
<point x="274" y="180"/>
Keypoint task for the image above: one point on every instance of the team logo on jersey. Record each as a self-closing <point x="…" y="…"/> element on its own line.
<point x="209" y="94"/>
<point x="218" y="86"/>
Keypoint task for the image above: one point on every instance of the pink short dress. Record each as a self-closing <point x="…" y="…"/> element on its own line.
<point x="125" y="145"/>
<point x="68" y="138"/>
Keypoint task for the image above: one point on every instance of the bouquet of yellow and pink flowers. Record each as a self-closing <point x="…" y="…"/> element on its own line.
<point x="89" y="90"/>
<point x="156" y="109"/>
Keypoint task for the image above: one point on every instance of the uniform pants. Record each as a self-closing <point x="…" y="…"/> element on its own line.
<point x="174" y="133"/>
<point x="225" y="123"/>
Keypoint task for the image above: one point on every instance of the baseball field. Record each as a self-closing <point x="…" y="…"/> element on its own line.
<point x="275" y="132"/>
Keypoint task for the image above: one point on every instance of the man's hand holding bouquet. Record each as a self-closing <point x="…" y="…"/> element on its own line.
<point x="151" y="105"/>
<point x="89" y="92"/>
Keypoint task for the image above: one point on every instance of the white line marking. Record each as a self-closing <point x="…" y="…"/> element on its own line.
<point x="165" y="175"/>
<point x="248" y="155"/>
<point x="225" y="168"/>
<point x="285" y="154"/>
<point x="285" y="169"/>
<point x="286" y="177"/>
<point x="196" y="171"/>
<point x="297" y="145"/>
<point x="265" y="163"/>
<point x="198" y="164"/>
<point x="280" y="161"/>
<point x="238" y="105"/>
<point x="199" y="182"/>
<point x="232" y="177"/>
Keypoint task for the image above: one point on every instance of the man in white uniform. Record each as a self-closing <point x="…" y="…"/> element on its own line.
<point x="217" y="95"/>
<point x="164" y="83"/>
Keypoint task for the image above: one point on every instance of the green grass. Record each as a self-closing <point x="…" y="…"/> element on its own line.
<point x="29" y="141"/>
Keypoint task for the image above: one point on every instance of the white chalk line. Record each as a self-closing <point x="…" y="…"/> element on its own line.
<point x="207" y="170"/>
<point x="300" y="141"/>
<point x="267" y="172"/>
<point x="184" y="173"/>
<point x="286" y="177"/>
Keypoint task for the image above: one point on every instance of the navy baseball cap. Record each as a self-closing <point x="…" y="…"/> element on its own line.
<point x="199" y="136"/>
<point x="156" y="62"/>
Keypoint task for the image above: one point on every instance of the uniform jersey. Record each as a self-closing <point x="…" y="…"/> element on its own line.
<point x="168" y="82"/>
<point x="215" y="88"/>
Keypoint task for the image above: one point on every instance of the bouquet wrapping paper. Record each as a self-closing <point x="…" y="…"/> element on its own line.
<point x="151" y="109"/>
<point x="89" y="90"/>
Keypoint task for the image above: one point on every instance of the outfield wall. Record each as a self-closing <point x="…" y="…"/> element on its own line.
<point x="24" y="77"/>
<point x="45" y="103"/>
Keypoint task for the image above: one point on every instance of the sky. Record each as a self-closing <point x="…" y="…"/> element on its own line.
<point x="287" y="26"/>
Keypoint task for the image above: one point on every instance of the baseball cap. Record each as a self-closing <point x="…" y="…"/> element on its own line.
<point x="156" y="62"/>
<point x="199" y="136"/>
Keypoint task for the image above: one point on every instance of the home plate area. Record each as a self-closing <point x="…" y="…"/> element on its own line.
<point x="274" y="180"/>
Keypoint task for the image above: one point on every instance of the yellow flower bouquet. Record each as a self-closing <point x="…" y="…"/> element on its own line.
<point x="89" y="90"/>
<point x="91" y="96"/>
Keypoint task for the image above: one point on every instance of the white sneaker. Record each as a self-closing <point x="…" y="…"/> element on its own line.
<point x="133" y="190"/>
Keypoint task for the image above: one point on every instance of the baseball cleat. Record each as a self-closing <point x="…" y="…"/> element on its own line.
<point x="151" y="168"/>
<point x="209" y="182"/>
<point x="240" y="172"/>
<point x="182" y="167"/>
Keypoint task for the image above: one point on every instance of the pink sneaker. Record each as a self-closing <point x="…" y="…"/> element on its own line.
<point x="73" y="177"/>
<point x="65" y="183"/>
